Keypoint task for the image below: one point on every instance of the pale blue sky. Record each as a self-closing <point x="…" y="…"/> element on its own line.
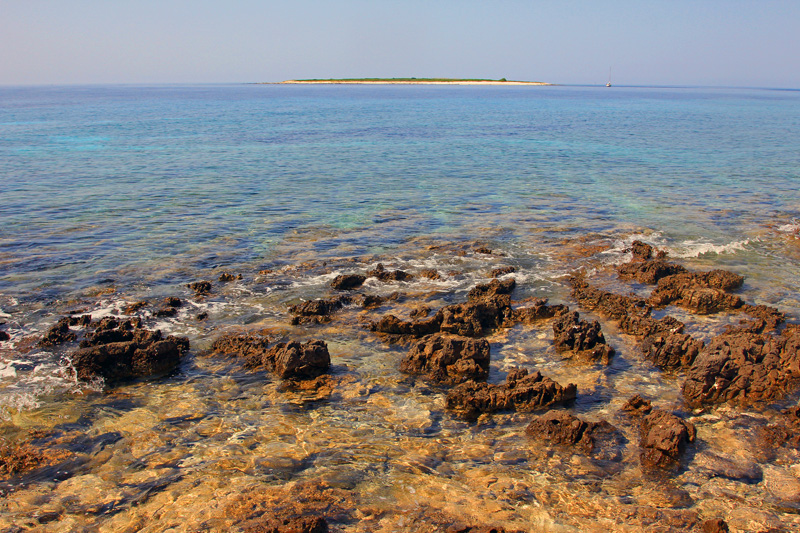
<point x="643" y="42"/>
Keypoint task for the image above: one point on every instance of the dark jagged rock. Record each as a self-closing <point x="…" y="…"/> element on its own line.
<point x="583" y="339"/>
<point x="144" y="354"/>
<point x="559" y="427"/>
<point x="420" y="312"/>
<point x="317" y="310"/>
<point x="382" y="274"/>
<point x="632" y="313"/>
<point x="165" y="312"/>
<point x="347" y="282"/>
<point x="648" y="271"/>
<point x="228" y="276"/>
<point x="297" y="360"/>
<point x="248" y="346"/>
<point x="371" y="301"/>
<point x="637" y="406"/>
<point x="536" y="311"/>
<point x="605" y="303"/>
<point x="200" y="288"/>
<point x="430" y="273"/>
<point x="767" y="318"/>
<point x="483" y="250"/>
<point x="664" y="438"/>
<point x="520" y="392"/>
<point x="131" y="308"/>
<point x="448" y="359"/>
<point x="391" y="325"/>
<point x="493" y="288"/>
<point x="202" y="316"/>
<point x="670" y="352"/>
<point x="4" y="336"/>
<point x="744" y="367"/>
<point x="292" y="360"/>
<point x="704" y="293"/>
<point x="641" y="251"/>
<point x="59" y="333"/>
<point x="172" y="301"/>
<point x="502" y="271"/>
<point x="477" y="317"/>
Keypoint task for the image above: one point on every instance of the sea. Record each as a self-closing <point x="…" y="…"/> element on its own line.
<point x="112" y="195"/>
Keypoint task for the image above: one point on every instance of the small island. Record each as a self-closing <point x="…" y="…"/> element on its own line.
<point x="416" y="81"/>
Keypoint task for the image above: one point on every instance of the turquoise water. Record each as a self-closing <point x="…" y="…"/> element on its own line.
<point x="114" y="195"/>
<point x="99" y="179"/>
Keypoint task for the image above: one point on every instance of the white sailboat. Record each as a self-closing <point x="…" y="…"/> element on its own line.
<point x="608" y="84"/>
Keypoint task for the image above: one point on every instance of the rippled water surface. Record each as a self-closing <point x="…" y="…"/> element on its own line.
<point x="114" y="195"/>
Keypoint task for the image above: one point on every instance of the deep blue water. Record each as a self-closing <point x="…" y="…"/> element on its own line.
<point x="103" y="182"/>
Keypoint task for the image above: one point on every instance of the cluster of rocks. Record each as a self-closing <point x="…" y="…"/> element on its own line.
<point x="287" y="360"/>
<point x="745" y="364"/>
<point x="115" y="350"/>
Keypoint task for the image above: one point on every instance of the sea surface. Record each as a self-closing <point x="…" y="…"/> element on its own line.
<point x="111" y="195"/>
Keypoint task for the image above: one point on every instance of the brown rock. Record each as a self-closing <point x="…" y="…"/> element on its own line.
<point x="59" y="333"/>
<point x="491" y="289"/>
<point x="385" y="275"/>
<point x="298" y="361"/>
<point x="536" y="311"/>
<point x="145" y="354"/>
<point x="502" y="271"/>
<point x="560" y="427"/>
<point x="670" y="352"/>
<point x="664" y="438"/>
<point x="430" y="273"/>
<point x="4" y="336"/>
<point x="250" y="347"/>
<point x="649" y="271"/>
<point x="637" y="406"/>
<point x="744" y="367"/>
<point x="287" y="524"/>
<point x="703" y="293"/>
<point x="346" y="282"/>
<point x="715" y="525"/>
<point x="391" y="325"/>
<point x="448" y="359"/>
<point x="420" y="312"/>
<point x="583" y="339"/>
<point x="520" y="392"/>
<point x="200" y="288"/>
<point x="228" y="276"/>
<point x="317" y="309"/>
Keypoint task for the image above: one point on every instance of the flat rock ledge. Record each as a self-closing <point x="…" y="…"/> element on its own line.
<point x="664" y="438"/>
<point x="448" y="359"/>
<point x="287" y="360"/>
<point x="521" y="392"/>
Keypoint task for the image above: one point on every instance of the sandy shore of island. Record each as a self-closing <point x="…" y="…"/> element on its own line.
<point x="421" y="82"/>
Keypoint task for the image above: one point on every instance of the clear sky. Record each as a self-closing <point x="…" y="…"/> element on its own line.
<point x="641" y="42"/>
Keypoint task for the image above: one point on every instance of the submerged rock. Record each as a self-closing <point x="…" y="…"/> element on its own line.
<point x="744" y="367"/>
<point x="448" y="359"/>
<point x="502" y="271"/>
<point x="520" y="392"/>
<point x="583" y="339"/>
<point x="664" y="438"/>
<point x="560" y="427"/>
<point x="637" y="406"/>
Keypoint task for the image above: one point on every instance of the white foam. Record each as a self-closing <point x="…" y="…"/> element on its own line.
<point x="689" y="249"/>
<point x="793" y="228"/>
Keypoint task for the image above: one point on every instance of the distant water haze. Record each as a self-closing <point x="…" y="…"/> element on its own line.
<point x="715" y="42"/>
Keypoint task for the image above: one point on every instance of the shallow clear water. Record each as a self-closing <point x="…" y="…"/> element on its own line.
<point x="118" y="194"/>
